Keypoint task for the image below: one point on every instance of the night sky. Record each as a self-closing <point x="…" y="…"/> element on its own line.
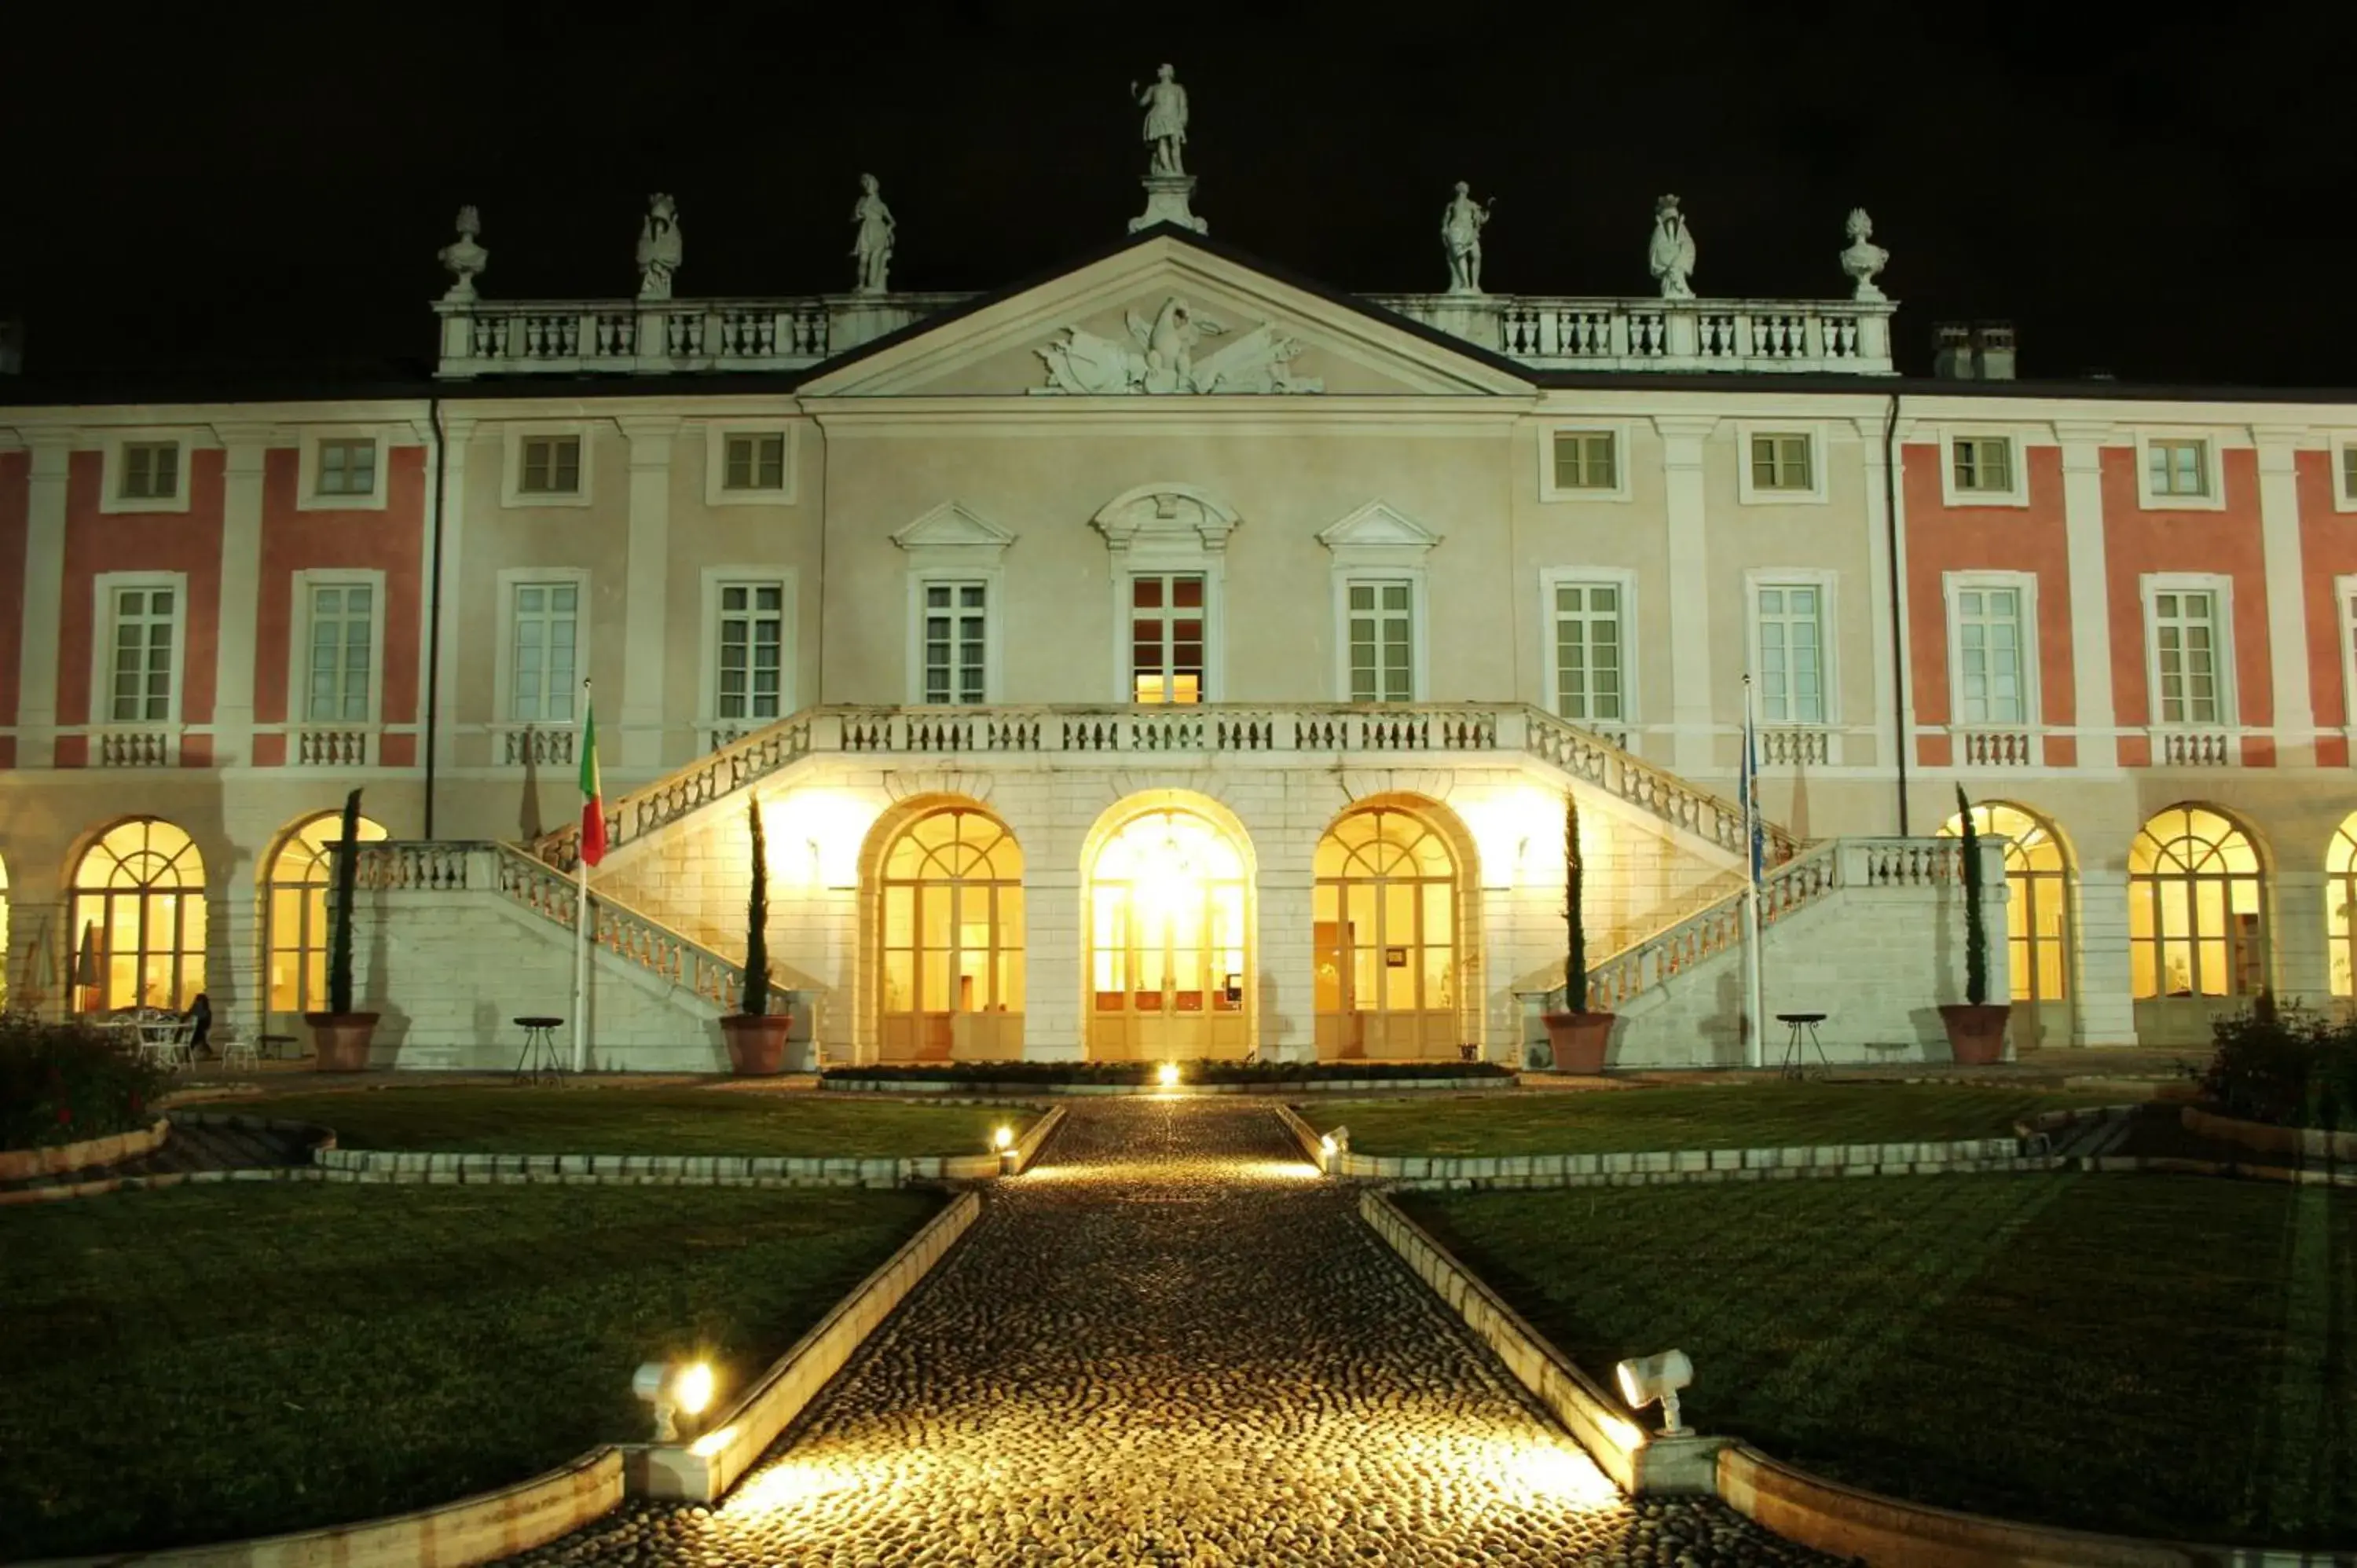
<point x="2161" y="198"/>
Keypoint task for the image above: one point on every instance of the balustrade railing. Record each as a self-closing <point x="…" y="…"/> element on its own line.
<point x="2195" y="748"/>
<point x="331" y="748"/>
<point x="1799" y="747"/>
<point x="1995" y="748"/>
<point x="1843" y="336"/>
<point x="1592" y="760"/>
<point x="482" y="337"/>
<point x="537" y="746"/>
<point x="132" y="748"/>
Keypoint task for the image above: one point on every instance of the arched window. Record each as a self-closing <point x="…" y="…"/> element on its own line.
<point x="295" y="910"/>
<point x="139" y="919"/>
<point x="2038" y="910"/>
<point x="1168" y="955"/>
<point x="952" y="939"/>
<point x="2197" y="901"/>
<point x="1384" y="908"/>
<point x="2341" y="906"/>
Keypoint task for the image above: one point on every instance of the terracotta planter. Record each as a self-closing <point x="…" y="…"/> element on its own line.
<point x="1579" y="1039"/>
<point x="756" y="1042"/>
<point x="1975" y="1034"/>
<point x="340" y="1040"/>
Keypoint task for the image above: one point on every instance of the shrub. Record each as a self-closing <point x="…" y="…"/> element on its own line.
<point x="61" y="1083"/>
<point x="1144" y="1072"/>
<point x="2289" y="1066"/>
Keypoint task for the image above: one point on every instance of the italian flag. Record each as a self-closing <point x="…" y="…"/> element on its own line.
<point x="593" y="800"/>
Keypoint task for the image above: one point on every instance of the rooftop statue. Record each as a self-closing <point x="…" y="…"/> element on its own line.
<point x="1460" y="238"/>
<point x="658" y="247"/>
<point x="1164" y="102"/>
<point x="463" y="257"/>
<point x="1160" y="358"/>
<point x="1671" y="253"/>
<point x="1864" y="258"/>
<point x="873" y="247"/>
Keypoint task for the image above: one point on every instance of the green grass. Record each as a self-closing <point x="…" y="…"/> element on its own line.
<point x="521" y="1120"/>
<point x="2149" y="1355"/>
<point x="1721" y="1116"/>
<point x="207" y="1363"/>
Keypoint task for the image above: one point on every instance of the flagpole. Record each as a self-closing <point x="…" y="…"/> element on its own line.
<point x="1755" y="1048"/>
<point x="581" y="921"/>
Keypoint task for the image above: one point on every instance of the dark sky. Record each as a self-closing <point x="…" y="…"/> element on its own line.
<point x="2161" y="198"/>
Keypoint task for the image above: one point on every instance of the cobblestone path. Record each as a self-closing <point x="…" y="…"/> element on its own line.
<point x="1171" y="1344"/>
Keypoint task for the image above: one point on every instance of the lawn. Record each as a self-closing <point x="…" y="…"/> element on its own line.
<point x="1713" y="1116"/>
<point x="521" y="1120"/>
<point x="2150" y="1355"/>
<point x="206" y="1363"/>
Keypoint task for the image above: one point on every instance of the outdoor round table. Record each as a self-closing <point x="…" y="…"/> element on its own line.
<point x="1797" y="1021"/>
<point x="539" y="1059"/>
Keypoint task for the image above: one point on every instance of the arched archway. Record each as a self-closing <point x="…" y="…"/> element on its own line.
<point x="2341" y="906"/>
<point x="2197" y="921"/>
<point x="1169" y="893"/>
<point x="1388" y="940"/>
<point x="950" y="938"/>
<point x="2040" y="942"/>
<point x="294" y="883"/>
<point x="138" y="919"/>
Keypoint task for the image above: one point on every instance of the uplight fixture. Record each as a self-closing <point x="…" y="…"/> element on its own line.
<point x="675" y="1389"/>
<point x="1646" y="1379"/>
<point x="1004" y="1139"/>
<point x="1168" y="1075"/>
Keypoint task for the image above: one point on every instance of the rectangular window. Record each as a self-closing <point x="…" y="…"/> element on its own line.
<point x="1584" y="460"/>
<point x="139" y="679"/>
<point x="1780" y="463"/>
<point x="755" y="462"/>
<point x="1989" y="687"/>
<point x="347" y="469"/>
<point x="547" y="639"/>
<point x="1984" y="462"/>
<point x="2185" y="646"/>
<point x="1383" y="663"/>
<point x="2349" y="472"/>
<point x="1588" y="652"/>
<point x="1791" y="654"/>
<point x="552" y="466"/>
<point x="2177" y="467"/>
<point x="1166" y="637"/>
<point x="342" y="618"/>
<point x="957" y="636"/>
<point x="151" y="470"/>
<point x="752" y="636"/>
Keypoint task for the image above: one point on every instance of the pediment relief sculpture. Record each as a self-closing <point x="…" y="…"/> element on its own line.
<point x="1159" y="356"/>
<point x="1161" y="518"/>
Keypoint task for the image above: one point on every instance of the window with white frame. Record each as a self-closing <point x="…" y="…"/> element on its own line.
<point x="1381" y="633"/>
<point x="1982" y="465"/>
<point x="549" y="466"/>
<point x="754" y="460"/>
<point x="1791" y="653"/>
<point x="143" y="640"/>
<point x="2349" y="472"/>
<point x="2176" y="468"/>
<point x="1781" y="461"/>
<point x="2188" y="670"/>
<point x="343" y="638"/>
<point x="347" y="467"/>
<point x="1992" y="685"/>
<point x="150" y="470"/>
<point x="1166" y="637"/>
<point x="748" y="677"/>
<point x="956" y="642"/>
<point x="1588" y="648"/>
<point x="1586" y="460"/>
<point x="543" y="668"/>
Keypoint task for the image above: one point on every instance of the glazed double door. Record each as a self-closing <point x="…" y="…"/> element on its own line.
<point x="1167" y="970"/>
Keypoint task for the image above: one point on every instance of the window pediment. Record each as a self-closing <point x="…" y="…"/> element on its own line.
<point x="1377" y="534"/>
<point x="954" y="533"/>
<point x="1167" y="518"/>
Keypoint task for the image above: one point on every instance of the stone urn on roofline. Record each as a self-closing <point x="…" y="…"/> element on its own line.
<point x="757" y="1036"/>
<point x="339" y="1037"/>
<point x="1578" y="1038"/>
<point x="1975" y="1026"/>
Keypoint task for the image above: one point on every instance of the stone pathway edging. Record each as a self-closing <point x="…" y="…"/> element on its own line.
<point x="703" y="1470"/>
<point x="994" y="1091"/>
<point x="17" y="1165"/>
<point x="2308" y="1142"/>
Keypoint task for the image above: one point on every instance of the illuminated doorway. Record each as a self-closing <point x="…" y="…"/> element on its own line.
<point x="952" y="940"/>
<point x="2341" y="907"/>
<point x="2037" y="920"/>
<point x="1167" y="956"/>
<point x="138" y="920"/>
<point x="1385" y="909"/>
<point x="2197" y="923"/>
<point x="294" y="916"/>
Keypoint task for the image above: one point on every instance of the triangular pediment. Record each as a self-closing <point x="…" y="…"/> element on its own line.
<point x="1376" y="526"/>
<point x="1168" y="314"/>
<point x="950" y="526"/>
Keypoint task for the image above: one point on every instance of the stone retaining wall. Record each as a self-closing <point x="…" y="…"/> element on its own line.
<point x="1664" y="1166"/>
<point x="705" y="1469"/>
<point x="19" y="1164"/>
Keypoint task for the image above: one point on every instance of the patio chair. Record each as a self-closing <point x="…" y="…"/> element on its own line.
<point x="235" y="1047"/>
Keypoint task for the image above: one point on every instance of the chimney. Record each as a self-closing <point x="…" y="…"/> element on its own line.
<point x="1975" y="351"/>
<point x="1952" y="351"/>
<point x="1993" y="349"/>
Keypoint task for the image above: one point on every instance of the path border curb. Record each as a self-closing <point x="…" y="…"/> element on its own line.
<point x="994" y="1091"/>
<point x="22" y="1164"/>
<point x="2308" y="1142"/>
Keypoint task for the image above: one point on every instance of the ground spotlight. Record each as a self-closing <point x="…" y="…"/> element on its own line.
<point x="1646" y="1379"/>
<point x="1004" y="1139"/>
<point x="1167" y="1075"/>
<point x="675" y="1389"/>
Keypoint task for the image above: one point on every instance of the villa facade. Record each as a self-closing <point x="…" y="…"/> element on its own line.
<point x="1174" y="658"/>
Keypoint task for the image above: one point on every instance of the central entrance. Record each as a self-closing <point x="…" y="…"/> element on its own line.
<point x="1167" y="941"/>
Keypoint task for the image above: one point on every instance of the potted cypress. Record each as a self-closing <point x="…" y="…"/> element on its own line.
<point x="341" y="1036"/>
<point x="1576" y="1036"/>
<point x="1975" y="1026"/>
<point x="756" y="1036"/>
